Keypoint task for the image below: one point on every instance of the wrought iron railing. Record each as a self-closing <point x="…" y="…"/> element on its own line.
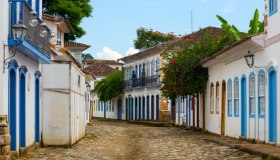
<point x="152" y="81"/>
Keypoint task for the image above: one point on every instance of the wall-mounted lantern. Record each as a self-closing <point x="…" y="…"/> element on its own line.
<point x="19" y="32"/>
<point x="250" y="59"/>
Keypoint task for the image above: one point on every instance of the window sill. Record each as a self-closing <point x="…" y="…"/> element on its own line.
<point x="229" y="115"/>
<point x="261" y="116"/>
<point x="272" y="13"/>
<point x="252" y="116"/>
<point x="236" y="115"/>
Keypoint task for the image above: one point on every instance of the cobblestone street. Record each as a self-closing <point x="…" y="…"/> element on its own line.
<point x="119" y="140"/>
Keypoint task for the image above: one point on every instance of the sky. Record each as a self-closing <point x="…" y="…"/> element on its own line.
<point x="112" y="27"/>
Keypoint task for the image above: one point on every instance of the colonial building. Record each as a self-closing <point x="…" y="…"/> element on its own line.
<point x="241" y="101"/>
<point x="64" y="91"/>
<point x="143" y="99"/>
<point x="100" y="69"/>
<point x="25" y="46"/>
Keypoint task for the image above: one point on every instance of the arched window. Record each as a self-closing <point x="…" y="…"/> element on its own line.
<point x="212" y="98"/>
<point x="252" y="95"/>
<point x="217" y="97"/>
<point x="236" y="97"/>
<point x="261" y="93"/>
<point x="229" y="97"/>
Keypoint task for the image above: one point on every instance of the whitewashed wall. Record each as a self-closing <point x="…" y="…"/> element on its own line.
<point x="257" y="128"/>
<point x="63" y="104"/>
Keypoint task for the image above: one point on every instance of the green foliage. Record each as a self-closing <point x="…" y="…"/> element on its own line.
<point x="182" y="73"/>
<point x="255" y="25"/>
<point x="110" y="87"/>
<point x="149" y="38"/>
<point x="87" y="56"/>
<point x="231" y="29"/>
<point x="73" y="10"/>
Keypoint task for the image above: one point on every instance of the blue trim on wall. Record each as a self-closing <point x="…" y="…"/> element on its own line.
<point x="234" y="110"/>
<point x="37" y="7"/>
<point x="252" y="74"/>
<point x="272" y="12"/>
<point x="12" y="109"/>
<point x="30" y="50"/>
<point x="22" y="106"/>
<point x="272" y="118"/>
<point x="228" y="113"/>
<point x="243" y="107"/>
<point x="261" y="72"/>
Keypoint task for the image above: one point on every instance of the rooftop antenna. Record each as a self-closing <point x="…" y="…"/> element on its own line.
<point x="191" y="21"/>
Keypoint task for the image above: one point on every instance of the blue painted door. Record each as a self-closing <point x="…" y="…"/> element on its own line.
<point x="139" y="108"/>
<point x="105" y="109"/>
<point x="37" y="110"/>
<point x="148" y="107"/>
<point x="243" y="108"/>
<point x="22" y="112"/>
<point x="152" y="108"/>
<point x="119" y="109"/>
<point x="126" y="109"/>
<point x="157" y="107"/>
<point x="143" y="107"/>
<point x="131" y="109"/>
<point x="12" y="109"/>
<point x="272" y="106"/>
<point x="136" y="110"/>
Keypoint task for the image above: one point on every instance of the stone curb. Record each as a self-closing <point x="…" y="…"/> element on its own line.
<point x="244" y="148"/>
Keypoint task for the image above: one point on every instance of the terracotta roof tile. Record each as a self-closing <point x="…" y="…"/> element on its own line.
<point x="71" y="45"/>
<point x="106" y="62"/>
<point x="99" y="69"/>
<point x="195" y="36"/>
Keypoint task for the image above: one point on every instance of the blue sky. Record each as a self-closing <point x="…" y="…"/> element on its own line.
<point x="112" y="27"/>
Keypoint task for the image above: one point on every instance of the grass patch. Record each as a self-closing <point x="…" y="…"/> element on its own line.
<point x="90" y="136"/>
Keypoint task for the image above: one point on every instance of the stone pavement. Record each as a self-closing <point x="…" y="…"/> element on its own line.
<point x="120" y="140"/>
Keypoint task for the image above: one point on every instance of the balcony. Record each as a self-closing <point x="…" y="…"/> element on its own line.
<point x="34" y="46"/>
<point x="138" y="83"/>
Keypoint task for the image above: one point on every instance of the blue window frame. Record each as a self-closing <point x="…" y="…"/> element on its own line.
<point x="229" y="98"/>
<point x="236" y="97"/>
<point x="261" y="95"/>
<point x="252" y="95"/>
<point x="98" y="102"/>
<point x="273" y="7"/>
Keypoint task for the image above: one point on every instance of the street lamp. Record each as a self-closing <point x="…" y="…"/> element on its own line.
<point x="19" y="31"/>
<point x="33" y="22"/>
<point x="250" y="58"/>
<point x="88" y="87"/>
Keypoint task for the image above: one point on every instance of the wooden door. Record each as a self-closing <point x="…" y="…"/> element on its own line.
<point x="223" y="113"/>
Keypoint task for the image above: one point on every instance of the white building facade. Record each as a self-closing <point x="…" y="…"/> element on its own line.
<point x="64" y="91"/>
<point x="100" y="69"/>
<point x="21" y="72"/>
<point x="142" y="95"/>
<point x="242" y="102"/>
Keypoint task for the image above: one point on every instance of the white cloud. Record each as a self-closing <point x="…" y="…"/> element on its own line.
<point x="228" y="8"/>
<point x="131" y="51"/>
<point x="108" y="54"/>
